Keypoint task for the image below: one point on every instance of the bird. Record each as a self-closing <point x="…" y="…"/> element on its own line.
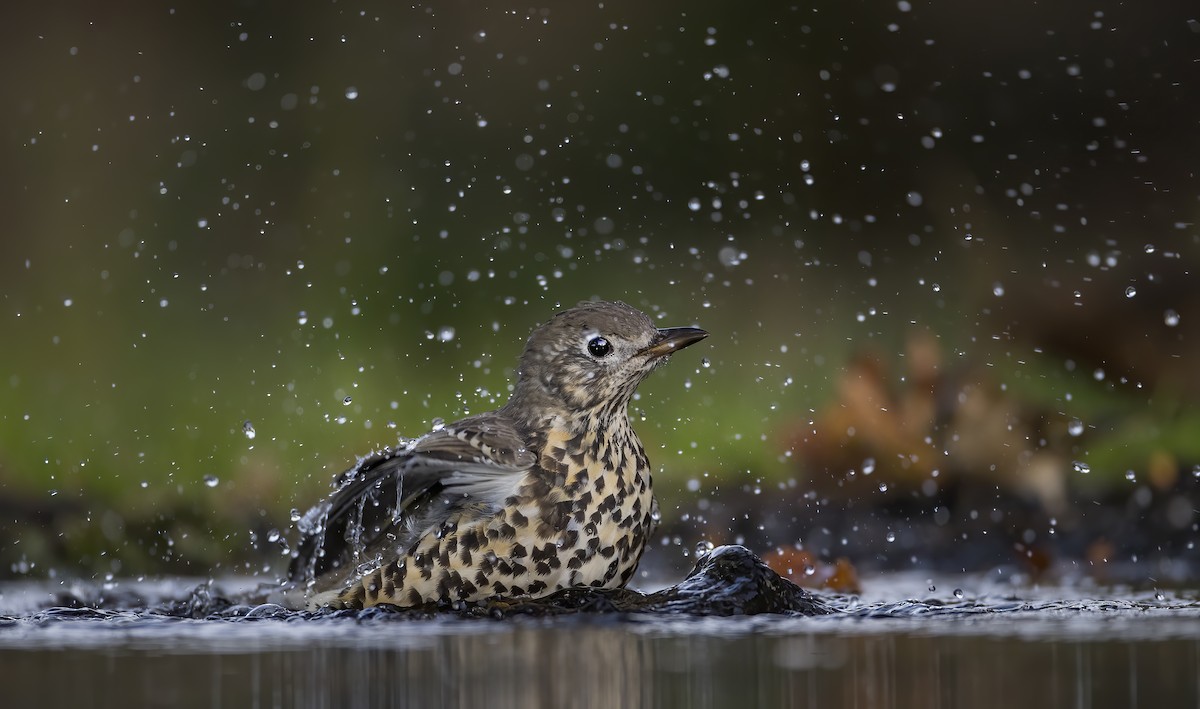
<point x="551" y="491"/>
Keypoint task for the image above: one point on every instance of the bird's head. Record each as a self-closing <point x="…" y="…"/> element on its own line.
<point x="592" y="357"/>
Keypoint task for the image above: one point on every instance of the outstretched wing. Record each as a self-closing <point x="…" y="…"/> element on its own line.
<point x="386" y="496"/>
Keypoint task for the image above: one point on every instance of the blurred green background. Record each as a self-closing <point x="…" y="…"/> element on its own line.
<point x="933" y="242"/>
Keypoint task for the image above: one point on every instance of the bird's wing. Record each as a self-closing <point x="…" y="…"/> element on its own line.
<point x="477" y="460"/>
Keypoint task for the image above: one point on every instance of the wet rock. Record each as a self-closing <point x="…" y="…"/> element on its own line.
<point x="731" y="580"/>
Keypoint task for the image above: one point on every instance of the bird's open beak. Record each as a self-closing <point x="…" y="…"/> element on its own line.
<point x="673" y="338"/>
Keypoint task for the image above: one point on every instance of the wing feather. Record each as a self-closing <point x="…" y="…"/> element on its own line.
<point x="392" y="495"/>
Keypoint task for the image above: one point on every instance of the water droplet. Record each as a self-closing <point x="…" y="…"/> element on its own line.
<point x="347" y="401"/>
<point x="303" y="318"/>
<point x="1130" y="291"/>
<point x="295" y="515"/>
<point x="1171" y="318"/>
<point x="883" y="487"/>
<point x="868" y="466"/>
<point x="445" y="333"/>
<point x="1160" y="596"/>
<point x="703" y="547"/>
<point x="1081" y="467"/>
<point x="730" y="256"/>
<point x="1130" y="476"/>
<point x="997" y="289"/>
<point x="211" y="480"/>
<point x="438" y="424"/>
<point x="351" y="93"/>
<point x="958" y="593"/>
<point x="248" y="429"/>
<point x="809" y="569"/>
<point x="932" y="588"/>
<point x="890" y="536"/>
<point x="1075" y="427"/>
<point x="705" y="363"/>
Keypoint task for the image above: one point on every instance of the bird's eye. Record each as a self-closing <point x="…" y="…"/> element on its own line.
<point x="599" y="347"/>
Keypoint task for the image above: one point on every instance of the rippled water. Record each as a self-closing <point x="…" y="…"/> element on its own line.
<point x="995" y="647"/>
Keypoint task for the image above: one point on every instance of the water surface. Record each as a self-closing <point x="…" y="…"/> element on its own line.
<point x="992" y="648"/>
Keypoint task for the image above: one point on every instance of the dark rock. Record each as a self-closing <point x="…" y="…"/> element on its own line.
<point x="731" y="580"/>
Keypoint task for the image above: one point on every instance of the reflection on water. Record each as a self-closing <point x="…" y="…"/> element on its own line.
<point x="983" y="654"/>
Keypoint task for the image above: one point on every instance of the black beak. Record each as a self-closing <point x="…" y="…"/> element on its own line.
<point x="674" y="338"/>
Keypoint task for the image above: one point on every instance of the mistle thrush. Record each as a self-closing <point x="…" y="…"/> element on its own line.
<point x="550" y="491"/>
